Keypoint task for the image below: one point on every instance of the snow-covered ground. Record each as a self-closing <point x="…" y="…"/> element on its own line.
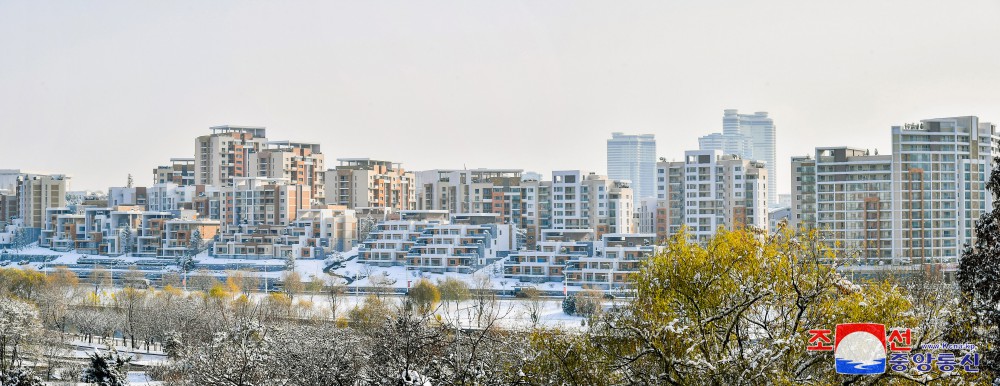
<point x="360" y="274"/>
<point x="512" y="311"/>
<point x="400" y="277"/>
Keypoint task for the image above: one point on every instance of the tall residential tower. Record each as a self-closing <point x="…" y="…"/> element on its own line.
<point x="633" y="158"/>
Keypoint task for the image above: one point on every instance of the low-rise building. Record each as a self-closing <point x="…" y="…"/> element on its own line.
<point x="547" y="261"/>
<point x="69" y="228"/>
<point x="180" y="172"/>
<point x="616" y="258"/>
<point x="467" y="243"/>
<point x="50" y="225"/>
<point x="390" y="241"/>
<point x="179" y="232"/>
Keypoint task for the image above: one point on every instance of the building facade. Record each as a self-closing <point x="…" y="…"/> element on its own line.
<point x="853" y="201"/>
<point x="181" y="172"/>
<point x="803" y="202"/>
<point x="297" y="163"/>
<point x="363" y="182"/>
<point x="750" y="136"/>
<point x="918" y="205"/>
<point x="722" y="191"/>
<point x="38" y="192"/>
<point x="256" y="201"/>
<point x="224" y="155"/>
<point x="940" y="169"/>
<point x="390" y="241"/>
<point x="633" y="158"/>
<point x="494" y="191"/>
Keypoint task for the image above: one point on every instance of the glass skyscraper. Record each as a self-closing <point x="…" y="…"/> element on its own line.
<point x="633" y="158"/>
<point x="750" y="136"/>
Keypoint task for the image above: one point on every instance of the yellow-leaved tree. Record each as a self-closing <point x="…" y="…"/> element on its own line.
<point x="735" y="310"/>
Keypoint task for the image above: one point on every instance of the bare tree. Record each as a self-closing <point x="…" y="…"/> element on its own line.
<point x="533" y="303"/>
<point x="381" y="284"/>
<point x="335" y="291"/>
<point x="484" y="299"/>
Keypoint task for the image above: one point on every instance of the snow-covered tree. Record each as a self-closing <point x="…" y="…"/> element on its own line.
<point x="19" y="324"/>
<point x="533" y="303"/>
<point x="125" y="239"/>
<point x="20" y="239"/>
<point x="196" y="243"/>
<point x="240" y="356"/>
<point x="365" y="227"/>
<point x="318" y="355"/>
<point x="979" y="280"/>
<point x="108" y="369"/>
<point x="19" y="376"/>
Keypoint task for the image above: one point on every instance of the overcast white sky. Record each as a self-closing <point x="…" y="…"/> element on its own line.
<point x="101" y="89"/>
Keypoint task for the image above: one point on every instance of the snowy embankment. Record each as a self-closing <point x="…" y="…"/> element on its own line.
<point x="512" y="312"/>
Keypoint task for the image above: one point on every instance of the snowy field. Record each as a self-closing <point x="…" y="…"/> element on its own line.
<point x="359" y="274"/>
<point x="512" y="312"/>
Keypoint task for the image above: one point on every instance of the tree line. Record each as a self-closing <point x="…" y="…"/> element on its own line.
<point x="733" y="311"/>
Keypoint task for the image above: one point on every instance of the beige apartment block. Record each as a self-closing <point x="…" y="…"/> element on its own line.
<point x="224" y="155"/>
<point x="297" y="163"/>
<point x="363" y="182"/>
<point x="38" y="192"/>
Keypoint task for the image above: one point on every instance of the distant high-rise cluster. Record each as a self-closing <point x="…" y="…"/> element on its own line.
<point x="750" y="136"/>
<point x="243" y="196"/>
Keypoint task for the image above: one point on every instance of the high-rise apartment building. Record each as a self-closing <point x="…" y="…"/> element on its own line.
<point x="803" y="205"/>
<point x="853" y="201"/>
<point x="940" y="170"/>
<point x="750" y="136"/>
<point x="363" y="182"/>
<point x="38" y="192"/>
<point x="255" y="201"/>
<point x="297" y="163"/>
<point x="577" y="200"/>
<point x="537" y="199"/>
<point x="224" y="155"/>
<point x="8" y="208"/>
<point x="918" y="205"/>
<point x="633" y="158"/>
<point x="669" y="198"/>
<point x="496" y="191"/>
<point x="591" y="201"/>
<point x="722" y="191"/>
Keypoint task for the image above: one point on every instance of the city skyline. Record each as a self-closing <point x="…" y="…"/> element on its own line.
<point x="532" y="77"/>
